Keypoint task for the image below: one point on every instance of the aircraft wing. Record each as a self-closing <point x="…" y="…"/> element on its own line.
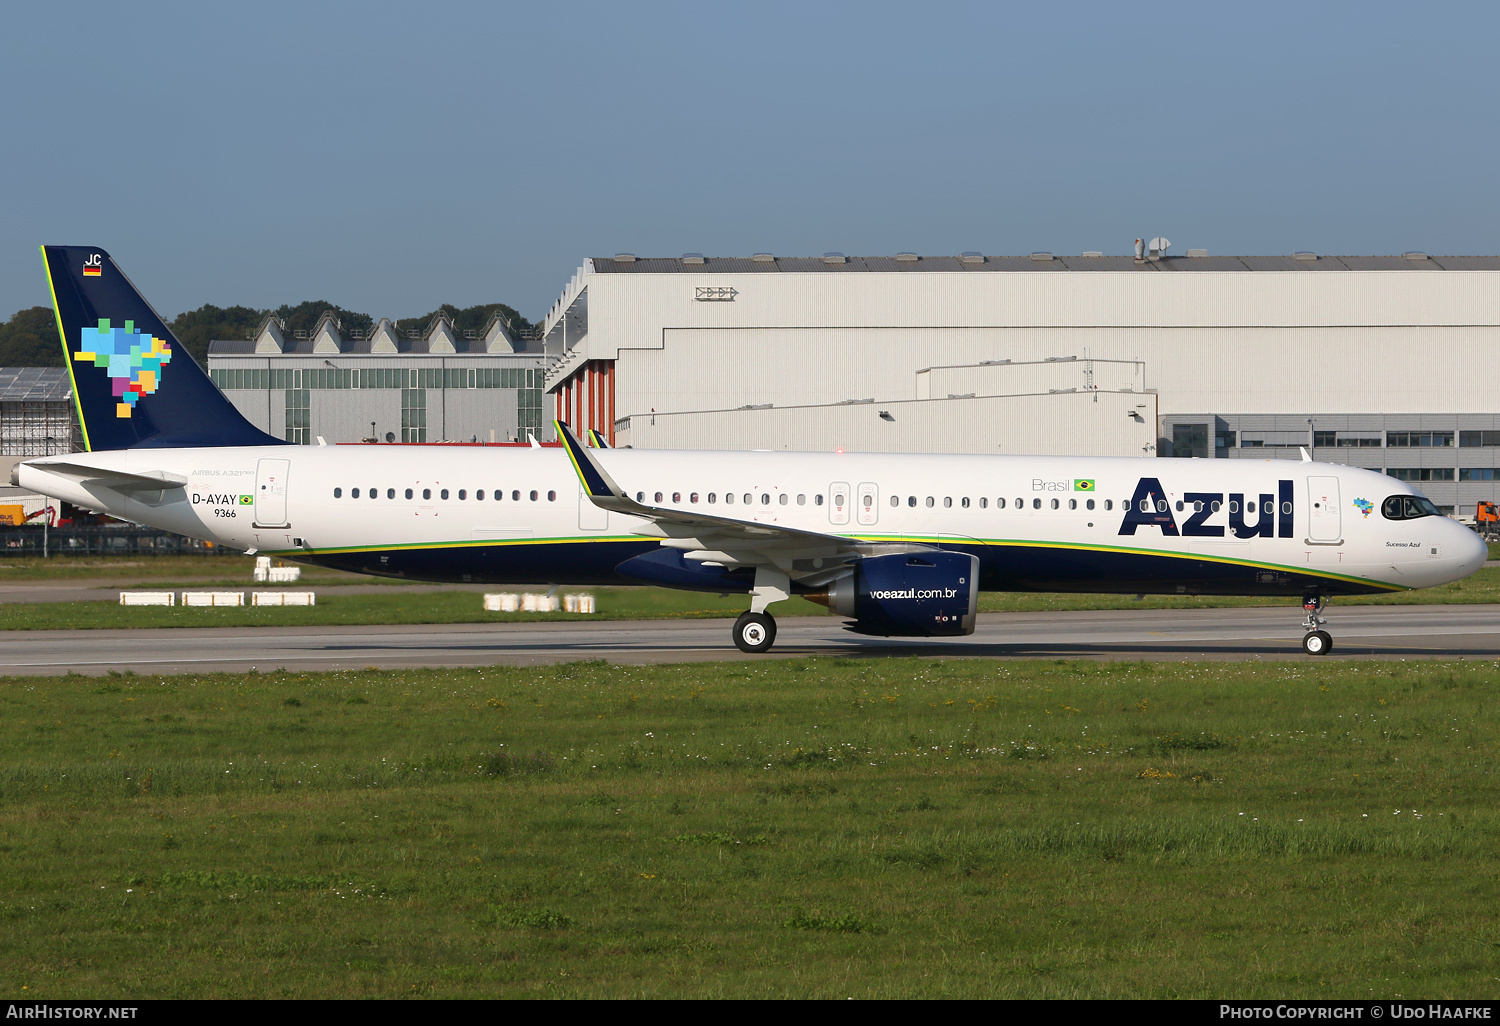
<point x="724" y="540"/>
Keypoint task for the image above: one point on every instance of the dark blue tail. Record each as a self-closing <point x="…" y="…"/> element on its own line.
<point x="135" y="385"/>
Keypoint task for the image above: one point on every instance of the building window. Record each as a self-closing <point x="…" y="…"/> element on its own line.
<point x="1478" y="474"/>
<point x="1421" y="473"/>
<point x="1473" y="439"/>
<point x="1325" y="438"/>
<point x="414" y="415"/>
<point x="1347" y="442"/>
<point x="1415" y="439"/>
<point x="1224" y="440"/>
<point x="298" y="416"/>
<point x="1189" y="440"/>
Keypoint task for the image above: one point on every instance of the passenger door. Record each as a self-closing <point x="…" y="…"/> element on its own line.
<point x="838" y="503"/>
<point x="1324" y="519"/>
<point x="868" y="510"/>
<point x="270" y="492"/>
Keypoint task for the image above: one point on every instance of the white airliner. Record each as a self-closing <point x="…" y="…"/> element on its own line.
<point x="901" y="545"/>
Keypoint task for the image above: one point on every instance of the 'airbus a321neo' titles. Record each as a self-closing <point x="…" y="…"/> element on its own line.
<point x="900" y="545"/>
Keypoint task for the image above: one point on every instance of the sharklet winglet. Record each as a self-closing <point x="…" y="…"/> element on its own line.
<point x="597" y="484"/>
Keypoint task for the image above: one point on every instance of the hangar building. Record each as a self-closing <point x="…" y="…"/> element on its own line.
<point x="1379" y="361"/>
<point x="429" y="386"/>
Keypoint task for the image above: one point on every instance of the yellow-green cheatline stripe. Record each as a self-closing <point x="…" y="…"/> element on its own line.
<point x="992" y="542"/>
<point x="62" y="337"/>
<point x="472" y="543"/>
<point x="1083" y="547"/>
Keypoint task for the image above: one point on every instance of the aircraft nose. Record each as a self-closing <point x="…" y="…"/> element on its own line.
<point x="1471" y="549"/>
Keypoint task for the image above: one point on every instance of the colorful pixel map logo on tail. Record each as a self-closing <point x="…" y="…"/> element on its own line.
<point x="134" y="361"/>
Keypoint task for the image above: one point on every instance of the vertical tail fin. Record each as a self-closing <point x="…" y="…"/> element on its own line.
<point x="133" y="383"/>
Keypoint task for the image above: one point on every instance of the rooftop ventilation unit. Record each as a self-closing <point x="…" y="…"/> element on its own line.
<point x="1414" y="255"/>
<point x="763" y="258"/>
<point x="1093" y="253"/>
<point x="1041" y="257"/>
<point x="907" y="258"/>
<point x="835" y="258"/>
<point x="625" y="258"/>
<point x="692" y="258"/>
<point x="1304" y="254"/>
<point x="972" y="258"/>
<point x="1197" y="253"/>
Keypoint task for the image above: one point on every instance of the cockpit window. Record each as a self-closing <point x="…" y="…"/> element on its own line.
<point x="1408" y="507"/>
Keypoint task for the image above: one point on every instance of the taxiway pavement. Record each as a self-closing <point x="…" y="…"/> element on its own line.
<point x="1382" y="632"/>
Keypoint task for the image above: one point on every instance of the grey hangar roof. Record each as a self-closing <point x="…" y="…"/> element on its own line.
<point x="34" y="384"/>
<point x="1045" y="263"/>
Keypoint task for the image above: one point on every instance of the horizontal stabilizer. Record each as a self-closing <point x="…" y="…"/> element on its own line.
<point x="119" y="480"/>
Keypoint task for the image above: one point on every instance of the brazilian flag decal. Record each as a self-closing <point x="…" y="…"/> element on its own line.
<point x="1083" y="484"/>
<point x="247" y="500"/>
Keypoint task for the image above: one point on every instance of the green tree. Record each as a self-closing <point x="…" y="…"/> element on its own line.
<point x="195" y="329"/>
<point x="29" y="339"/>
<point x="304" y="317"/>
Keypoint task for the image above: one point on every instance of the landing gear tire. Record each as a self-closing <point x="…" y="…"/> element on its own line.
<point x="754" y="632"/>
<point x="1317" y="643"/>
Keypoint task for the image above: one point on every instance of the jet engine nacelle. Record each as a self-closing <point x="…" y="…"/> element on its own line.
<point x="915" y="595"/>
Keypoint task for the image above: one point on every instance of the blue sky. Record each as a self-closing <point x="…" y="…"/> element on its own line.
<point x="388" y="157"/>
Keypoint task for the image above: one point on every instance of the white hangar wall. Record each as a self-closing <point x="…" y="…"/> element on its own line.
<point x="1236" y="354"/>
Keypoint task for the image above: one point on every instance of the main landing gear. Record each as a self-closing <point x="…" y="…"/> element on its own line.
<point x="1316" y="641"/>
<point x="755" y="630"/>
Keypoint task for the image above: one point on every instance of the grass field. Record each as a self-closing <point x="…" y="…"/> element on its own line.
<point x="402" y="606"/>
<point x="803" y="828"/>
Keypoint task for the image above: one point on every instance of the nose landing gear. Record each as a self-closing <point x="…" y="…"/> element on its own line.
<point x="1316" y="641"/>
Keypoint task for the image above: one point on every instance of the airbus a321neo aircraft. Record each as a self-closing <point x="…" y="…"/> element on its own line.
<point x="900" y="545"/>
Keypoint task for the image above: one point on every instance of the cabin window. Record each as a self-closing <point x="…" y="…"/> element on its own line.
<point x="801" y="500"/>
<point x="443" y="494"/>
<point x="748" y="498"/>
<point x="658" y="497"/>
<point x="533" y="495"/>
<point x="478" y="494"/>
<point x="1036" y="503"/>
<point x="931" y="502"/>
<point x="784" y="498"/>
<point x="408" y="493"/>
<point x="354" y="493"/>
<point x="1054" y="503"/>
<point x="390" y="493"/>
<point x="911" y="500"/>
<point x="1089" y="503"/>
<point x="1270" y="507"/>
<point x="1234" y="507"/>
<point x="1109" y="504"/>
<point x="677" y="497"/>
<point x="818" y="499"/>
<point x="711" y="498"/>
<point x="551" y="496"/>
<point x="1000" y="503"/>
<point x="515" y="495"/>
<point x="1072" y="503"/>
<point x="1215" y="505"/>
<point x="895" y="500"/>
<point x="729" y="498"/>
<point x="1286" y="507"/>
<point x="1161" y="505"/>
<point x="1179" y="505"/>
<point x="947" y="502"/>
<point x="374" y="493"/>
<point x="693" y="497"/>
<point x="984" y="502"/>
<point x="765" y="499"/>
<point x="462" y="494"/>
<point x="1197" y="507"/>
<point x="338" y="493"/>
<point x="964" y="502"/>
<point x="640" y="496"/>
<point x="426" y="493"/>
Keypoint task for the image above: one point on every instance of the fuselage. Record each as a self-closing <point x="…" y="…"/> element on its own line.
<point x="517" y="515"/>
